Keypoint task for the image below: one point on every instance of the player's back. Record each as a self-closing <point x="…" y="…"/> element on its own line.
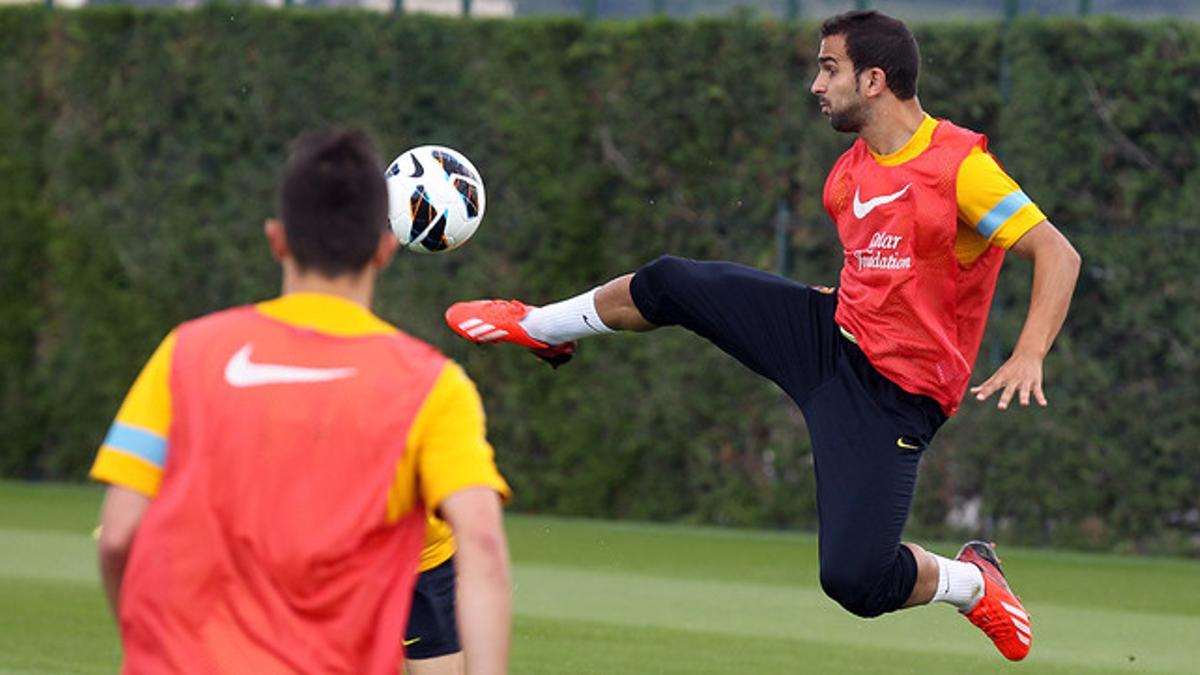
<point x="270" y="546"/>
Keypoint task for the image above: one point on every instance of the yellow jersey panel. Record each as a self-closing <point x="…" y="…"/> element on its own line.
<point x="326" y="314"/>
<point x="449" y="445"/>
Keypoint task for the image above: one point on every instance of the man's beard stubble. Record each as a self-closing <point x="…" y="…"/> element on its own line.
<point x="851" y="119"/>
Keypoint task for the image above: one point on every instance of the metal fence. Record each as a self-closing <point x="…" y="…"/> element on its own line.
<point x="908" y="10"/>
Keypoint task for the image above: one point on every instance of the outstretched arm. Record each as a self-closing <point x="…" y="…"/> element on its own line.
<point x="1055" y="270"/>
<point x="481" y="563"/>
<point x="119" y="520"/>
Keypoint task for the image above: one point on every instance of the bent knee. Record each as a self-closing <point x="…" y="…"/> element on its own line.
<point x="857" y="593"/>
<point x="655" y="286"/>
<point x="664" y="267"/>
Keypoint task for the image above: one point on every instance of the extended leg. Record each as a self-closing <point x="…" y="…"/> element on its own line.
<point x="608" y="307"/>
<point x="779" y="328"/>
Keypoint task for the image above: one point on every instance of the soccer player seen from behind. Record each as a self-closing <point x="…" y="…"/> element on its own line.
<point x="271" y="469"/>
<point x="924" y="214"/>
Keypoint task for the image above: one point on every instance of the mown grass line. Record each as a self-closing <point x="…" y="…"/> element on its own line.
<point x="597" y="596"/>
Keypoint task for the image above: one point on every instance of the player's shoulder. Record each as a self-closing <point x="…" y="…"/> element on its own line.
<point x="408" y="356"/>
<point x="217" y="318"/>
<point x="413" y="346"/>
<point x="948" y="131"/>
<point x="980" y="163"/>
<point x="213" y="322"/>
<point x="857" y="152"/>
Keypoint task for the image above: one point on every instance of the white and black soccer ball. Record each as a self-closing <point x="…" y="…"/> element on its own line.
<point x="435" y="198"/>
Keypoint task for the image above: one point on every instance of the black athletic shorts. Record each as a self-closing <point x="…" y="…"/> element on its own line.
<point x="867" y="432"/>
<point x="432" y="624"/>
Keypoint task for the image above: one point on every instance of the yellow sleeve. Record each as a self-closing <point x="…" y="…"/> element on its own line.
<point x="135" y="450"/>
<point x="991" y="206"/>
<point x="448" y="446"/>
<point x="451" y="440"/>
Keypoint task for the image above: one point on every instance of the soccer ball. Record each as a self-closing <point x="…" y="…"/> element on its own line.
<point x="435" y="198"/>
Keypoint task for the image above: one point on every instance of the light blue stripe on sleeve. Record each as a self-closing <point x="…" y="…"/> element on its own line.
<point x="1002" y="212"/>
<point x="138" y="442"/>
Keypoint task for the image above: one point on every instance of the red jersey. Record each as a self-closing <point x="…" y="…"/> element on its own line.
<point x="917" y="312"/>
<point x="269" y="547"/>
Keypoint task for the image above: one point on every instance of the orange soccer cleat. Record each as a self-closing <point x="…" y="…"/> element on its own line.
<point x="489" y="321"/>
<point x="999" y="612"/>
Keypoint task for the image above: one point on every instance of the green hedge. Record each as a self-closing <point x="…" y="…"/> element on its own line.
<point x="139" y="150"/>
<point x="24" y="221"/>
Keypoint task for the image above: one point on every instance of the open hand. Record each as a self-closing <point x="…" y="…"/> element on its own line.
<point x="1021" y="375"/>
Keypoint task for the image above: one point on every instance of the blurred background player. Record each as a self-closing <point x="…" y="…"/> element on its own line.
<point x="271" y="469"/>
<point x="924" y="214"/>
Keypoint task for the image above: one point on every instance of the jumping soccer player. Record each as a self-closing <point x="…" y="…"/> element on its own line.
<point x="271" y="469"/>
<point x="924" y="214"/>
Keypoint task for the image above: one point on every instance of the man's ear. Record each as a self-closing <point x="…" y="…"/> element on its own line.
<point x="388" y="244"/>
<point x="873" y="82"/>
<point x="276" y="238"/>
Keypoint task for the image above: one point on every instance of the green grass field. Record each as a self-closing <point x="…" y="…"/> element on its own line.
<point x="606" y="597"/>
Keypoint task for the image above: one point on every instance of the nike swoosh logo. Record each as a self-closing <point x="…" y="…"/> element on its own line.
<point x="242" y="372"/>
<point x="418" y="170"/>
<point x="588" y="322"/>
<point x="412" y="641"/>
<point x="906" y="445"/>
<point x="861" y="209"/>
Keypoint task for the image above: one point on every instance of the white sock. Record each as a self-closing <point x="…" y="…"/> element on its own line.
<point x="565" y="321"/>
<point x="959" y="583"/>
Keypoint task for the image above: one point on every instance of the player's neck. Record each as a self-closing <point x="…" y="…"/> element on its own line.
<point x="357" y="288"/>
<point x="893" y="125"/>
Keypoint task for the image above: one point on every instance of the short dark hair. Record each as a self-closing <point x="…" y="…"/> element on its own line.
<point x="333" y="201"/>
<point x="875" y="40"/>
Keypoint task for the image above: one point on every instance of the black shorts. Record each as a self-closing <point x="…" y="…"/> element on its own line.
<point x="432" y="624"/>
<point x="867" y="433"/>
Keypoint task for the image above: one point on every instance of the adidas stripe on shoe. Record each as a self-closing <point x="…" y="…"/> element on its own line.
<point x="999" y="613"/>
<point x="492" y="321"/>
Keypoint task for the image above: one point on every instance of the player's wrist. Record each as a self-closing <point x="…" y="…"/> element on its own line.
<point x="1031" y="349"/>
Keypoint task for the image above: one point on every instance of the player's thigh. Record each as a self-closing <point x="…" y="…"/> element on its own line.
<point x="868" y="437"/>
<point x="432" y="630"/>
<point x="777" y="327"/>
